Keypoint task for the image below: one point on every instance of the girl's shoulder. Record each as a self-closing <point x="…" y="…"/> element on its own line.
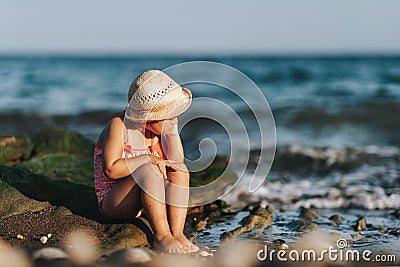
<point x="115" y="124"/>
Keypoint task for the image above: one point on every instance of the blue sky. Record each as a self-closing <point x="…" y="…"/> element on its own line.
<point x="179" y="26"/>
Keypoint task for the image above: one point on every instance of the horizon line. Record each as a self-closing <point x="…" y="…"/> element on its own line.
<point x="199" y="54"/>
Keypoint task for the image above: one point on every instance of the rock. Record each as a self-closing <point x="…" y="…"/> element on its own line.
<point x="61" y="167"/>
<point x="47" y="186"/>
<point x="49" y="253"/>
<point x="250" y="206"/>
<point x="191" y="235"/>
<point x="13" y="202"/>
<point x="62" y="140"/>
<point x="121" y="236"/>
<point x="394" y="231"/>
<point x="336" y="218"/>
<point x="263" y="212"/>
<point x="383" y="230"/>
<point x="361" y="224"/>
<point x="301" y="225"/>
<point x="52" y="219"/>
<point x="226" y="236"/>
<point x="14" y="149"/>
<point x="281" y="244"/>
<point x="81" y="246"/>
<point x="259" y="218"/>
<point x="211" y="173"/>
<point x="357" y="237"/>
<point x="308" y="214"/>
<point x="57" y="192"/>
<point x="200" y="225"/>
<point x="130" y="256"/>
<point x="205" y="254"/>
<point x="44" y="239"/>
<point x="396" y="214"/>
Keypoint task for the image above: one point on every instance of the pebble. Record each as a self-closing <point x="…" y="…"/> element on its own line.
<point x="395" y="231"/>
<point x="49" y="254"/>
<point x="281" y="244"/>
<point x="383" y="230"/>
<point x="300" y="225"/>
<point x="21" y="237"/>
<point x="44" y="239"/>
<point x="80" y="245"/>
<point x="308" y="214"/>
<point x="336" y="218"/>
<point x="357" y="237"/>
<point x="205" y="254"/>
<point x="129" y="256"/>
<point x="361" y="224"/>
<point x="200" y="226"/>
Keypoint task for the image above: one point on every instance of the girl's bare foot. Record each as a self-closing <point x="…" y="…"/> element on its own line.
<point x="168" y="244"/>
<point x="189" y="246"/>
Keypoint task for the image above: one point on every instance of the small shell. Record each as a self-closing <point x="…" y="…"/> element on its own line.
<point x="205" y="254"/>
<point x="19" y="236"/>
<point x="44" y="239"/>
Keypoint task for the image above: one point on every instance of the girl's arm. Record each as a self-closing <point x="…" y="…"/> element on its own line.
<point x="115" y="166"/>
<point x="174" y="143"/>
<point x="175" y="149"/>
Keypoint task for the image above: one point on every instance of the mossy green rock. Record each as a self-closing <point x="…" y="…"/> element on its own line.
<point x="79" y="198"/>
<point x="60" y="166"/>
<point x="206" y="180"/>
<point x="13" y="202"/>
<point x="15" y="149"/>
<point x="52" y="172"/>
<point x="213" y="172"/>
<point x="61" y="140"/>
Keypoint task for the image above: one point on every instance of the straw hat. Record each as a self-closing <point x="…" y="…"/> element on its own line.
<point x="153" y="95"/>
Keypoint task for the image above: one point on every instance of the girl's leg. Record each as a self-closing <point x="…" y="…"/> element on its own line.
<point x="124" y="201"/>
<point x="128" y="197"/>
<point x="180" y="197"/>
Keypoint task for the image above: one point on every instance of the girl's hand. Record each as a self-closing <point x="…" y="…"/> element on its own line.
<point x="170" y="127"/>
<point x="162" y="165"/>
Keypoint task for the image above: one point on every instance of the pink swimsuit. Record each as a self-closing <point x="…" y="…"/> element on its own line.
<point x="102" y="183"/>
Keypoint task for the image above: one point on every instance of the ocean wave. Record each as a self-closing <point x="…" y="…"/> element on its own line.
<point x="366" y="178"/>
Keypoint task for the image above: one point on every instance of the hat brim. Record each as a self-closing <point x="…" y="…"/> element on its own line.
<point x="174" y="109"/>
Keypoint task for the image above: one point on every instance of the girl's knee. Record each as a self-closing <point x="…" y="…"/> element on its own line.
<point x="182" y="173"/>
<point x="147" y="169"/>
<point x="182" y="167"/>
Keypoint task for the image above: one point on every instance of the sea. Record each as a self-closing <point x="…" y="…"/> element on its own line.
<point x="341" y="110"/>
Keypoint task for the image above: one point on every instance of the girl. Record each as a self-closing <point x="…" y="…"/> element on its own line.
<point x="133" y="172"/>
